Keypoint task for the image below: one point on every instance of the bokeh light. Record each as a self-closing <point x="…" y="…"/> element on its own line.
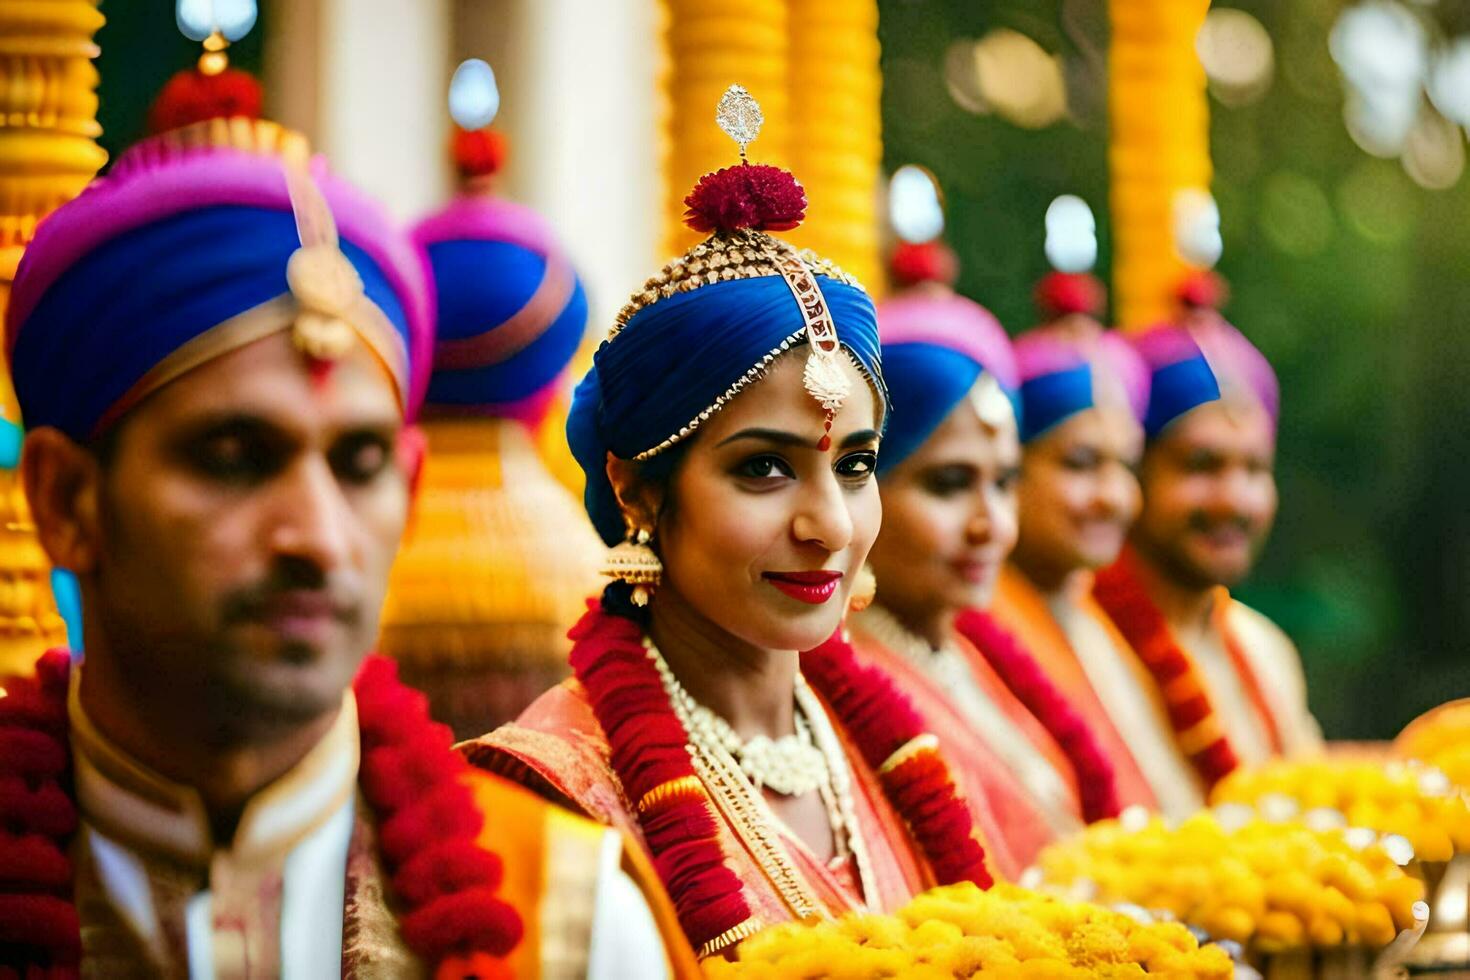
<point x="1378" y="203"/>
<point x="1434" y="153"/>
<point x="1009" y="74"/>
<point x="1379" y="123"/>
<point x="915" y="209"/>
<point x="474" y="98"/>
<point x="962" y="77"/>
<point x="1448" y="83"/>
<point x="1296" y="215"/>
<point x="1379" y="44"/>
<point x="1071" y="234"/>
<point x="1197" y="227"/>
<point x="1237" y="55"/>
<point x="197" y="19"/>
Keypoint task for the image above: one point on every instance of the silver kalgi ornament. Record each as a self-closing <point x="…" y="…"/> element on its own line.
<point x="739" y="115"/>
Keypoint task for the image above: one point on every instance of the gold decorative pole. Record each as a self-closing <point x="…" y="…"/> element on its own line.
<point x="1160" y="147"/>
<point x="834" y="91"/>
<point x="496" y="567"/>
<point x="48" y="153"/>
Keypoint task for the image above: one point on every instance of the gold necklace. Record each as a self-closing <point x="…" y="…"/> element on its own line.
<point x="745" y="809"/>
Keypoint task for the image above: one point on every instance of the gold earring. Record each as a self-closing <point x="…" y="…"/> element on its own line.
<point x="634" y="562"/>
<point x="864" y="588"/>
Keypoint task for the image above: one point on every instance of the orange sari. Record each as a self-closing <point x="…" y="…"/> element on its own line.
<point x="557" y="748"/>
<point x="1015" y="820"/>
<point x="1020" y="607"/>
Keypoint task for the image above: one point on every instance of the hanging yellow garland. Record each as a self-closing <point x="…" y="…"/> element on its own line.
<point x="1159" y="146"/>
<point x="813" y="67"/>
<point x="835" y="88"/>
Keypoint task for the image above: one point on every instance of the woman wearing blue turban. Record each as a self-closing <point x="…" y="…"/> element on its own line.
<point x="729" y="432"/>
<point x="950" y="467"/>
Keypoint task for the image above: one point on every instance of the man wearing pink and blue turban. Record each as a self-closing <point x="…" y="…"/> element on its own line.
<point x="1228" y="683"/>
<point x="216" y="350"/>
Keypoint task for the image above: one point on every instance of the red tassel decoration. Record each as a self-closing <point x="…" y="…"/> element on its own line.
<point x="1203" y="289"/>
<point x="915" y="264"/>
<point x="754" y="196"/>
<point x="477" y="152"/>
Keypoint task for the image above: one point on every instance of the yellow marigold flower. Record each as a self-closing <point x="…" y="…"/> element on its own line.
<point x="875" y="931"/>
<point x="1375" y="924"/>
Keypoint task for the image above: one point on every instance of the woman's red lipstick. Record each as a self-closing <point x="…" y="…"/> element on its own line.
<point x="811" y="587"/>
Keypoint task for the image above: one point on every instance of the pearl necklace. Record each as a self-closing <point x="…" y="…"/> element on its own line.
<point x="791" y="765"/>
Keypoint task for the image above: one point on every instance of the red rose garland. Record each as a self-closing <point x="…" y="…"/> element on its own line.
<point x="410" y="775"/>
<point x="650" y="756"/>
<point x="1196" y="727"/>
<point x="1023" y="676"/>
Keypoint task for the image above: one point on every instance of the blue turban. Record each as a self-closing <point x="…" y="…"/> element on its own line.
<point x="1181" y="378"/>
<point x="936" y="344"/>
<point x="155" y="256"/>
<point x="676" y="356"/>
<point x="512" y="310"/>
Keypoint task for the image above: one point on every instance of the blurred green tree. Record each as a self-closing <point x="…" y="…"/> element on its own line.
<point x="1347" y="274"/>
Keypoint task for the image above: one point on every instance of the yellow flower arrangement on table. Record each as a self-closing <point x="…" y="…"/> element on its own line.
<point x="1274" y="886"/>
<point x="961" y="931"/>
<point x="1441" y="738"/>
<point x="1414" y="801"/>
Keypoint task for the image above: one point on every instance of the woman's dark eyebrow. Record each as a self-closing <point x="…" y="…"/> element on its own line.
<point x="783" y="438"/>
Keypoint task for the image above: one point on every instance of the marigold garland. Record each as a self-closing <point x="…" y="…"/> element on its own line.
<point x="648" y="749"/>
<point x="1415" y="801"/>
<point x="960" y="931"/>
<point x="409" y="774"/>
<point x="1196" y="726"/>
<point x="1440" y="737"/>
<point x="1277" y="885"/>
<point x="1096" y="780"/>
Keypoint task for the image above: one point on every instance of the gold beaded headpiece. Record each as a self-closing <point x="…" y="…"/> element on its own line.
<point x="741" y="205"/>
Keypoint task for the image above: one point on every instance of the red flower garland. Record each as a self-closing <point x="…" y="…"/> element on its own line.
<point x="1023" y="676"/>
<point x="410" y="775"/>
<point x="648" y="748"/>
<point x="1196" y="726"/>
<point x="650" y="756"/>
<point x="890" y="735"/>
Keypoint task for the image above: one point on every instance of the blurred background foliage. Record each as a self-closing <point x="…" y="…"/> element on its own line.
<point x="1347" y="272"/>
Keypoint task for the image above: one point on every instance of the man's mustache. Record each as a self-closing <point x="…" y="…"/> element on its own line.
<point x="341" y="598"/>
<point x="1209" y="523"/>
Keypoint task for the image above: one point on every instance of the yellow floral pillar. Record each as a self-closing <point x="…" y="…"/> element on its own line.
<point x="834" y="88"/>
<point x="712" y="44"/>
<point x="48" y="153"/>
<point x="1160" y="146"/>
